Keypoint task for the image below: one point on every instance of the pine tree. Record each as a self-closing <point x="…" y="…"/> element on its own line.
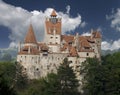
<point x="67" y="79"/>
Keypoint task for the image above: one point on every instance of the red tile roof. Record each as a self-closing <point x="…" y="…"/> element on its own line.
<point x="30" y="36"/>
<point x="67" y="38"/>
<point x="73" y="52"/>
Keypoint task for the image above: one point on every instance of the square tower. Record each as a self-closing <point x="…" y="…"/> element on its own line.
<point x="53" y="29"/>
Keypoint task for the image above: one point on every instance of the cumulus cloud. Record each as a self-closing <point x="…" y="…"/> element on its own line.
<point x="115" y="19"/>
<point x="68" y="9"/>
<point x="111" y="45"/>
<point x="18" y="20"/>
<point x="86" y="34"/>
<point x="83" y="24"/>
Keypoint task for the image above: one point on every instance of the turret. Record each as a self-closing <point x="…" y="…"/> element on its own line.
<point x="30" y="39"/>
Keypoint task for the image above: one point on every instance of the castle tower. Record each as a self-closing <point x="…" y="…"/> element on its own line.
<point x="29" y="54"/>
<point x="30" y="39"/>
<point x="53" y="32"/>
<point x="97" y="36"/>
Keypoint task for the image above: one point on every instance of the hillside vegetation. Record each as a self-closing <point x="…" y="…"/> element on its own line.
<point x="100" y="78"/>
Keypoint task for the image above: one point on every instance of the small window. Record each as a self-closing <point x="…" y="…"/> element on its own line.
<point x="87" y="54"/>
<point x="51" y="37"/>
<point x="56" y="43"/>
<point x="56" y="37"/>
<point x="37" y="69"/>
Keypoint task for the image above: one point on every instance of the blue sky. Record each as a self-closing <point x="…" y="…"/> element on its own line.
<point x="77" y="15"/>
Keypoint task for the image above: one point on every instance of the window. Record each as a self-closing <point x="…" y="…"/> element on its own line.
<point x="87" y="54"/>
<point x="56" y="37"/>
<point x="37" y="69"/>
<point x="51" y="37"/>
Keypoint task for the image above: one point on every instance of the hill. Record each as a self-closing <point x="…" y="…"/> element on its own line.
<point x="8" y="54"/>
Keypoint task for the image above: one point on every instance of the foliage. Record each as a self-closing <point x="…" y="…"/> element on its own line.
<point x="11" y="78"/>
<point x="43" y="86"/>
<point x="7" y="73"/>
<point x="99" y="78"/>
<point x="102" y="78"/>
<point x="21" y="79"/>
<point x="67" y="79"/>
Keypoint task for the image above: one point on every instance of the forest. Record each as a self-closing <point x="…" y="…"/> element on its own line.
<point x="99" y="78"/>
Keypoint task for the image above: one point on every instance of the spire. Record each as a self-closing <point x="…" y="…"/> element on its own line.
<point x="30" y="36"/>
<point x="53" y="13"/>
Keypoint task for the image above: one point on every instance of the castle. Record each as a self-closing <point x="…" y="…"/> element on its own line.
<point x="41" y="58"/>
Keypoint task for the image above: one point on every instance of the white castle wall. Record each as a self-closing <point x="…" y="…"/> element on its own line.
<point x="86" y="54"/>
<point x="37" y="66"/>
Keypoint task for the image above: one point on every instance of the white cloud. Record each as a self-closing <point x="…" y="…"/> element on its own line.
<point x="83" y="24"/>
<point x="111" y="45"/>
<point x="86" y="34"/>
<point x="68" y="9"/>
<point x="115" y="19"/>
<point x="18" y="19"/>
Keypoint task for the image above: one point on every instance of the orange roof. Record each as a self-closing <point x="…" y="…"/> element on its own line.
<point x="67" y="38"/>
<point x="53" y="13"/>
<point x="73" y="52"/>
<point x="85" y="44"/>
<point x="84" y="41"/>
<point x="30" y="36"/>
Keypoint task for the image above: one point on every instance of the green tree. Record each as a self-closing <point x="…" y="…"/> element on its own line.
<point x="102" y="78"/>
<point x="92" y="81"/>
<point x="44" y="86"/>
<point x="20" y="80"/>
<point x="67" y="79"/>
<point x="7" y="73"/>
